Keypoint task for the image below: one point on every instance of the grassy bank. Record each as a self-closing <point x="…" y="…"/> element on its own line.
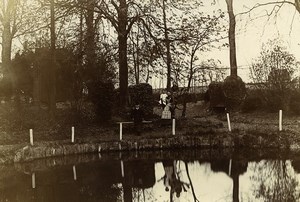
<point x="248" y="130"/>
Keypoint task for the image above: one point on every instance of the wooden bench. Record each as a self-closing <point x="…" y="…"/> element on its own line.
<point x="127" y="122"/>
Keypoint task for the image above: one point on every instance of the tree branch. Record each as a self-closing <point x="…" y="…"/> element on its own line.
<point x="266" y="4"/>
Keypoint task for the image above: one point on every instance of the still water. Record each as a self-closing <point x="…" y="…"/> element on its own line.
<point x="187" y="175"/>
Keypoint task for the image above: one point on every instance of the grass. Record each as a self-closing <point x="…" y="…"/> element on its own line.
<point x="15" y="123"/>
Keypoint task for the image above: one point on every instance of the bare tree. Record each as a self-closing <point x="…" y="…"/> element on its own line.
<point x="117" y="12"/>
<point x="231" y="35"/>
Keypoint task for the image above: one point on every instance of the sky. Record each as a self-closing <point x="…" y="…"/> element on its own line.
<point x="252" y="33"/>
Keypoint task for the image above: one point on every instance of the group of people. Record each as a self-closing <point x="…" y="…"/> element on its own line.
<point x="167" y="102"/>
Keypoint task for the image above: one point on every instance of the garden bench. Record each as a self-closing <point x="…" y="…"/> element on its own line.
<point x="127" y="122"/>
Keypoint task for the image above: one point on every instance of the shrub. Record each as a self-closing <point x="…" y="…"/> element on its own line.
<point x="101" y="94"/>
<point x="142" y="94"/>
<point x="251" y="103"/>
<point x="235" y="92"/>
<point x="295" y="103"/>
<point x="215" y="95"/>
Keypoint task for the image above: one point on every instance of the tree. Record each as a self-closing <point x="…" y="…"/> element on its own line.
<point x="52" y="71"/>
<point x="122" y="20"/>
<point x="17" y="18"/>
<point x="8" y="19"/>
<point x="273" y="71"/>
<point x="231" y="35"/>
<point x="165" y="23"/>
<point x="201" y="33"/>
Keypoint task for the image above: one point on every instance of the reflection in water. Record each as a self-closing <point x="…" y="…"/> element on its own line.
<point x="231" y="178"/>
<point x="275" y="181"/>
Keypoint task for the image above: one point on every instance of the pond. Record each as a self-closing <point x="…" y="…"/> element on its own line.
<point x="187" y="175"/>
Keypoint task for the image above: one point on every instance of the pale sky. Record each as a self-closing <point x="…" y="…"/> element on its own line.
<point x="251" y="34"/>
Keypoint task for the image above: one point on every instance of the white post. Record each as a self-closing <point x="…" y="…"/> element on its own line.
<point x="122" y="168"/>
<point x="31" y="136"/>
<point x="230" y="164"/>
<point x="121" y="131"/>
<point x="73" y="134"/>
<point x="136" y="146"/>
<point x="228" y="121"/>
<point x="280" y="120"/>
<point x="74" y="173"/>
<point x="33" y="180"/>
<point x="173" y="126"/>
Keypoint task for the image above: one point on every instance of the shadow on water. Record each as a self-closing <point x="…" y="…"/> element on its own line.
<point x="186" y="175"/>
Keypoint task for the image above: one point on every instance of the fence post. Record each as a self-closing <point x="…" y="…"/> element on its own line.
<point x="74" y="173"/>
<point x="228" y="121"/>
<point x="73" y="134"/>
<point x="31" y="136"/>
<point x="121" y="128"/>
<point x="173" y="126"/>
<point x="33" y="180"/>
<point x="280" y="120"/>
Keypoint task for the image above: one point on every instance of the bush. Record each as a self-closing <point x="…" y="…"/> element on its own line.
<point x="235" y="92"/>
<point x="142" y="94"/>
<point x="272" y="100"/>
<point x="295" y="103"/>
<point x="215" y="95"/>
<point x="251" y="103"/>
<point x="101" y="94"/>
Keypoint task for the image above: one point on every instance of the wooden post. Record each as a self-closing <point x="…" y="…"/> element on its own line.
<point x="121" y="128"/>
<point x="228" y="121"/>
<point x="173" y="126"/>
<point x="135" y="145"/>
<point x="230" y="165"/>
<point x="74" y="173"/>
<point x="122" y="168"/>
<point x="33" y="180"/>
<point x="73" y="134"/>
<point x="31" y="136"/>
<point x="280" y="120"/>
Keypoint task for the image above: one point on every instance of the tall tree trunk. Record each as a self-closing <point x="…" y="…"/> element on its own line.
<point x="167" y="44"/>
<point x="122" y="38"/>
<point x="52" y="79"/>
<point x="137" y="59"/>
<point x="80" y="51"/>
<point x="7" y="37"/>
<point x="90" y="40"/>
<point x="183" y="114"/>
<point x="6" y="58"/>
<point x="231" y="34"/>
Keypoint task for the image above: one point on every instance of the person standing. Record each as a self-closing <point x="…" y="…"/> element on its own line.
<point x="137" y="115"/>
<point x="163" y="99"/>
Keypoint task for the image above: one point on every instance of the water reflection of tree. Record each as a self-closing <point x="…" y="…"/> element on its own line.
<point x="138" y="180"/>
<point x="191" y="183"/>
<point x="275" y="181"/>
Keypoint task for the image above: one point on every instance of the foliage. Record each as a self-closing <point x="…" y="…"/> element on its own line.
<point x="274" y="66"/>
<point x="252" y="102"/>
<point x="273" y="71"/>
<point x="142" y="94"/>
<point x="216" y="95"/>
<point x="235" y="92"/>
<point x="102" y="96"/>
<point x="295" y="102"/>
<point x="23" y="74"/>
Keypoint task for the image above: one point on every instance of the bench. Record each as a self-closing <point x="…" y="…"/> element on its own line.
<point x="127" y="122"/>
